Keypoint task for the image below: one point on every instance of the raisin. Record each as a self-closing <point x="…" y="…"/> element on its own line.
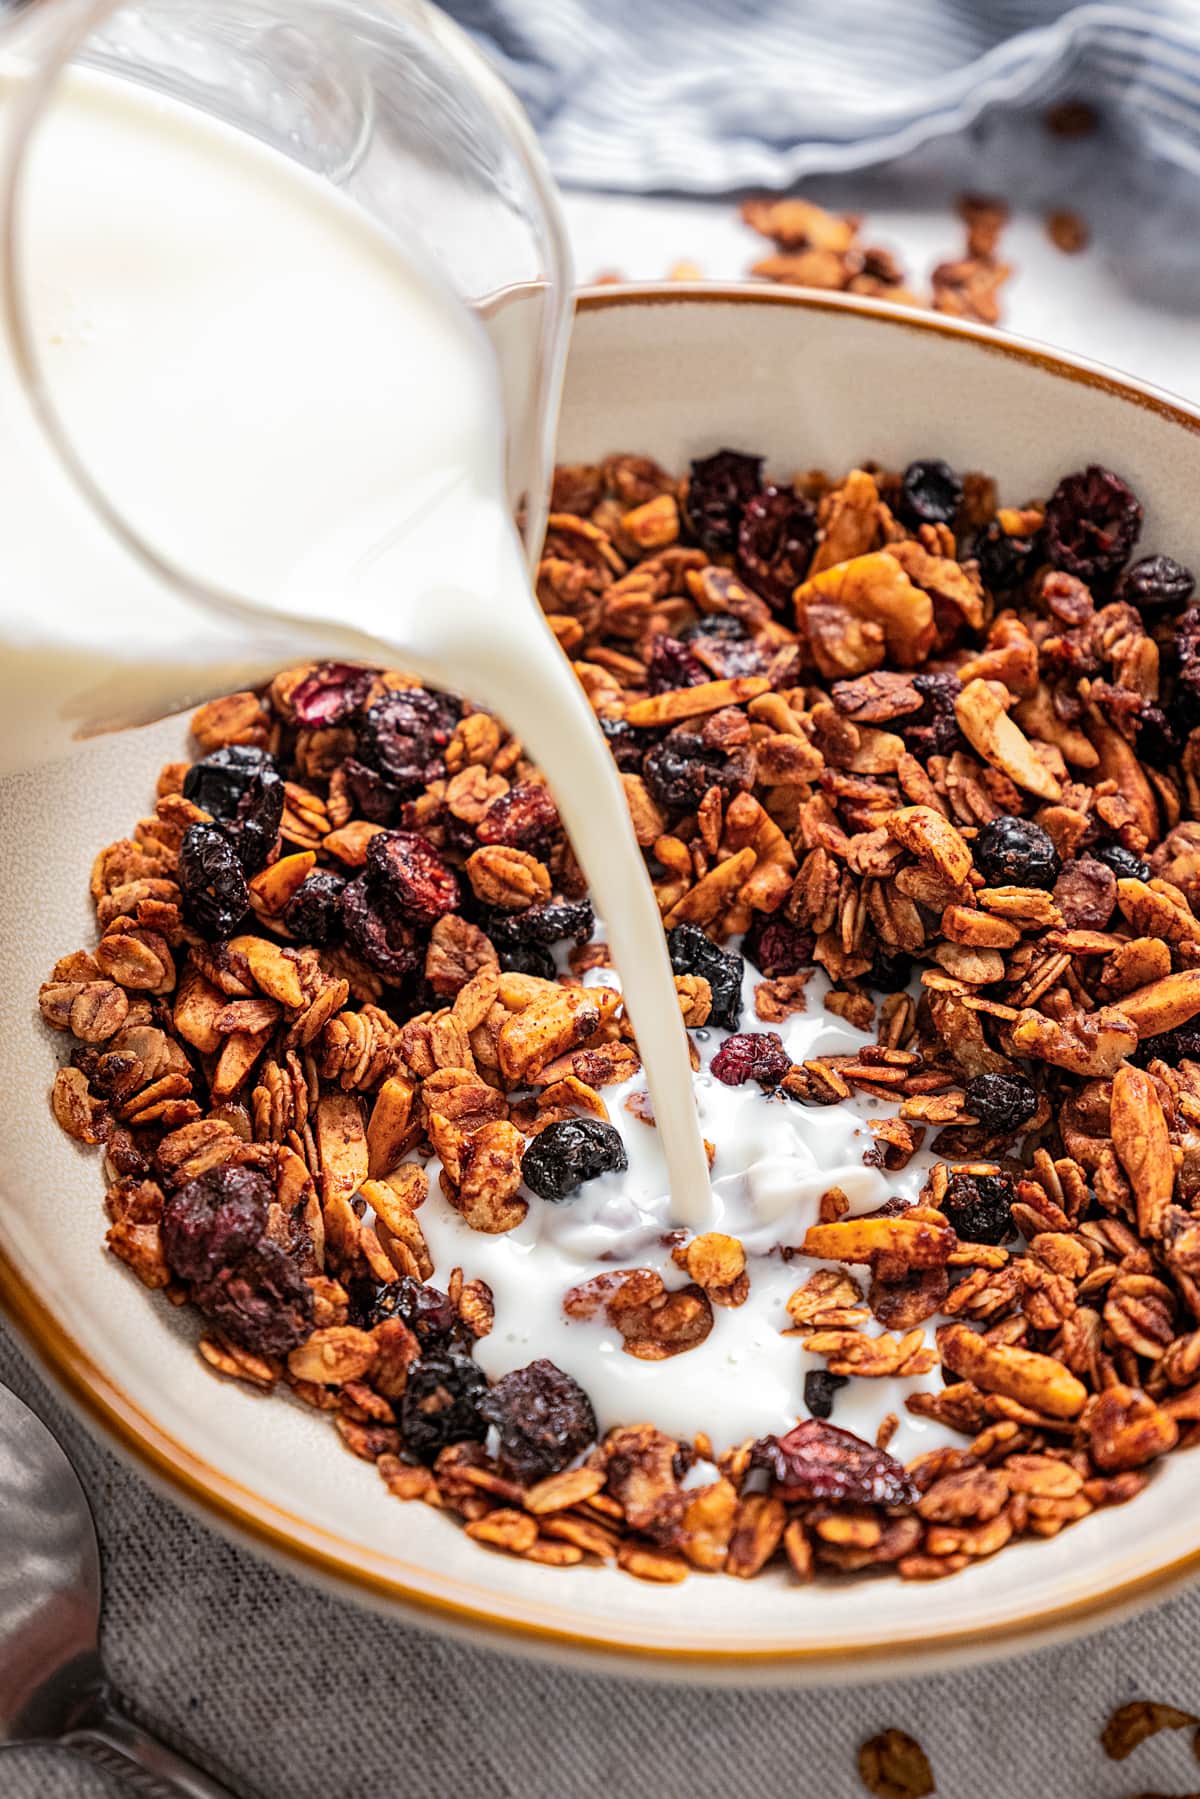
<point x="544" y="1417"/>
<point x="1124" y="864"/>
<point x="1003" y="557"/>
<point x="314" y="912"/>
<point x="934" y="731"/>
<point x="979" y="1206"/>
<point x="1001" y="1102"/>
<point x="405" y="735"/>
<point x="212" y="882"/>
<point x="775" y="947"/>
<point x="820" y="1388"/>
<point x="441" y="1404"/>
<point x="524" y="818"/>
<point x="528" y="958"/>
<point x="564" y="1155"/>
<point x="626" y="743"/>
<point x="776" y="539"/>
<point x="550" y="921"/>
<point x="891" y="971"/>
<point x="717" y="491"/>
<point x="375" y="799"/>
<point x="242" y="787"/>
<point x="213" y="1220"/>
<point x="816" y="1460"/>
<point x="1092" y="522"/>
<point x="1157" y="584"/>
<point x="1173" y="1047"/>
<point x="751" y="1056"/>
<point x="680" y="770"/>
<point x="409" y="870"/>
<point x="1014" y="852"/>
<point x="930" y="494"/>
<point x="262" y="1302"/>
<point x="428" y="1312"/>
<point x="671" y="665"/>
<point x="692" y="952"/>
<point x="330" y="694"/>
<point x="383" y="941"/>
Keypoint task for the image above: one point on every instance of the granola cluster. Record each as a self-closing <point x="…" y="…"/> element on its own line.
<point x="944" y="751"/>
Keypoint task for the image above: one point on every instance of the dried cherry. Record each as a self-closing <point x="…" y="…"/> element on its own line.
<point x="428" y="1312"/>
<point x="524" y="818"/>
<point x="262" y="1302"/>
<point x="934" y="729"/>
<point x="330" y="694"/>
<point x="671" y="665"/>
<point x="407" y="868"/>
<point x="816" y="1460"/>
<point x="544" y="1419"/>
<point x="751" y="1056"/>
<point x="241" y="786"/>
<point x="405" y="734"/>
<point x="550" y="921"/>
<point x="776" y="539"/>
<point x="528" y="958"/>
<point x="441" y="1403"/>
<point x="214" y="1219"/>
<point x="1157" y="584"/>
<point x="718" y="489"/>
<point x="626" y="743"/>
<point x="680" y="770"/>
<point x="1124" y="864"/>
<point x="386" y="942"/>
<point x="314" y="912"/>
<point x="566" y="1154"/>
<point x="775" y="947"/>
<point x="375" y="798"/>
<point x="1092" y="522"/>
<point x="212" y="882"/>
<point x="692" y="952"/>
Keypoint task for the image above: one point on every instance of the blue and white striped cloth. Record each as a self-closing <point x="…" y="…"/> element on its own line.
<point x="704" y="96"/>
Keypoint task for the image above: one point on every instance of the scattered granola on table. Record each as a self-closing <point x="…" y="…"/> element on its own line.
<point x="877" y="731"/>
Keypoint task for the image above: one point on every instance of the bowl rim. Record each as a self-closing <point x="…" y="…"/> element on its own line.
<point x="435" y="1598"/>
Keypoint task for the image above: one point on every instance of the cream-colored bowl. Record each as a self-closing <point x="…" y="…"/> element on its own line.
<point x="809" y="381"/>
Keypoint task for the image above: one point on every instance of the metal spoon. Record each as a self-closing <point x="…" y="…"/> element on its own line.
<point x="52" y="1684"/>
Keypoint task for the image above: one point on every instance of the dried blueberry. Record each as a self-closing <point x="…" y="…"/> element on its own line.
<point x="692" y="952"/>
<point x="979" y="1206"/>
<point x="551" y="921"/>
<point x="680" y="770"/>
<point x="214" y="1219"/>
<point x="1157" y="584"/>
<point x="384" y="941"/>
<point x="212" y="882"/>
<point x="524" y="818"/>
<point x="441" y="1404"/>
<point x="1001" y="1102"/>
<point x="816" y="1460"/>
<point x="775" y="947"/>
<point x="671" y="665"/>
<point x="405" y="735"/>
<point x="1014" y="852"/>
<point x="330" y="694"/>
<point x="564" y="1155"/>
<point x="407" y="868"/>
<point x="1003" y="557"/>
<point x="1124" y="864"/>
<point x="751" y="1056"/>
<point x="544" y="1417"/>
<point x="776" y="539"/>
<point x="1092" y="522"/>
<point x="241" y="786"/>
<point x="262" y="1302"/>
<point x="930" y="494"/>
<point x="314" y="912"/>
<point x="820" y="1388"/>
<point x="718" y="489"/>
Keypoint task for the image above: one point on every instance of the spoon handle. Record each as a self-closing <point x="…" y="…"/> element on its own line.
<point x="115" y="1743"/>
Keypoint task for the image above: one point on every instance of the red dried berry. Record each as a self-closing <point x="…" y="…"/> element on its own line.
<point x="213" y="1220"/>
<point x="816" y="1460"/>
<point x="405" y="734"/>
<point x="751" y="1056"/>
<point x="385" y="942"/>
<point x="407" y="868"/>
<point x="1092" y="522"/>
<point x="718" y="489"/>
<point x="331" y="693"/>
<point x="776" y="540"/>
<point x="524" y="818"/>
<point x="776" y="947"/>
<point x="671" y="665"/>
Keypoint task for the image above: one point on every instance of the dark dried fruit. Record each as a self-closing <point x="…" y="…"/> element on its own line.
<point x="314" y="912"/>
<point x="775" y="947"/>
<point x="816" y="1460"/>
<point x="1172" y="1047"/>
<point x="979" y="1206"/>
<point x="1157" y="584"/>
<point x="550" y="921"/>
<point x="564" y="1155"/>
<point x="405" y="735"/>
<point x="680" y="770"/>
<point x="524" y="818"/>
<point x="751" y="1056"/>
<point x="1001" y="1102"/>
<point x="528" y="958"/>
<point x="263" y="1302"/>
<point x="384" y="941"/>
<point x="241" y="786"/>
<point x="441" y="1404"/>
<point x="330" y="694"/>
<point x="1124" y="864"/>
<point x="1014" y="852"/>
<point x="692" y="952"/>
<point x="626" y="744"/>
<point x="1092" y="522"/>
<point x="544" y="1417"/>
<point x="723" y="646"/>
<point x="428" y="1312"/>
<point x="890" y="971"/>
<point x="934" y="731"/>
<point x="375" y="799"/>
<point x="820" y="1390"/>
<point x="407" y="868"/>
<point x="211" y="1222"/>
<point x="212" y="882"/>
<point x="930" y="494"/>
<point x="1004" y="558"/>
<point x="1187" y="650"/>
<point x="1161" y="734"/>
<point x="671" y="665"/>
<point x="717" y="491"/>
<point x="776" y="539"/>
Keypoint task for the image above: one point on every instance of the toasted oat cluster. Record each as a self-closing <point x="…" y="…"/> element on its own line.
<point x="944" y="751"/>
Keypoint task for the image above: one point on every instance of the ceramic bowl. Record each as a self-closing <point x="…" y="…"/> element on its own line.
<point x="810" y="381"/>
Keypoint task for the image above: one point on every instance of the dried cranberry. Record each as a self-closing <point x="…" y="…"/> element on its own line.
<point x="820" y="1388"/>
<point x="626" y="744"/>
<point x="1173" y="1047"/>
<point x="1157" y="584"/>
<point x="441" y="1404"/>
<point x="680" y="770"/>
<point x="383" y="941"/>
<point x="428" y="1312"/>
<point x="1003" y="557"/>
<point x="262" y="1302"/>
<point x="1014" y="852"/>
<point x="671" y="665"/>
<point x="692" y="952"/>
<point x="410" y="871"/>
<point x="1092" y="522"/>
<point x="242" y="787"/>
<point x="565" y="1155"/>
<point x="314" y="912"/>
<point x="718" y="489"/>
<point x="1124" y="864"/>
<point x="776" y="539"/>
<point x="1001" y="1102"/>
<point x="934" y="731"/>
<point x="775" y="947"/>
<point x="375" y="799"/>
<point x="405" y="735"/>
<point x="930" y="494"/>
<point x="524" y="818"/>
<point x="551" y="921"/>
<point x="528" y="958"/>
<point x="212" y="882"/>
<point x="544" y="1417"/>
<point x="979" y="1206"/>
<point x="213" y="1220"/>
<point x="751" y="1056"/>
<point x="816" y="1460"/>
<point x="331" y="693"/>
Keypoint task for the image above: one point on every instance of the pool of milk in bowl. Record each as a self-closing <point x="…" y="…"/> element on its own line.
<point x="774" y="1159"/>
